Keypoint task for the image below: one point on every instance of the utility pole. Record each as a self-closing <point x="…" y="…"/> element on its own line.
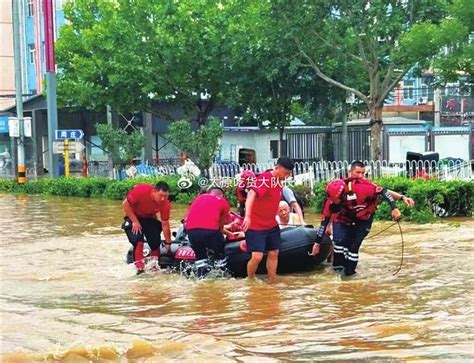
<point x="48" y="11"/>
<point x="110" y="161"/>
<point x="437" y="107"/>
<point x="18" y="91"/>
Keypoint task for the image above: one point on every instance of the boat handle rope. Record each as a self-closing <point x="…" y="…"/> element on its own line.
<point x="403" y="244"/>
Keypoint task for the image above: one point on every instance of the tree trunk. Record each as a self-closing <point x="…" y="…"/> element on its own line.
<point x="281" y="131"/>
<point x="376" y="132"/>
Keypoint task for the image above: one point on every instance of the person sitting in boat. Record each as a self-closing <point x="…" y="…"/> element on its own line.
<point x="147" y="214"/>
<point x="294" y="202"/>
<point x="285" y="218"/>
<point x="233" y="229"/>
<point x="204" y="224"/>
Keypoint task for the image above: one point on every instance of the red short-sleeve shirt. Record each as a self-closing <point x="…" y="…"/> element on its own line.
<point x="265" y="207"/>
<point x="143" y="204"/>
<point x="207" y="212"/>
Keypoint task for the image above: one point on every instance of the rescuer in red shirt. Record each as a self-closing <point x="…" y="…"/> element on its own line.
<point x="352" y="202"/>
<point x="147" y="214"/>
<point x="262" y="232"/>
<point x="204" y="224"/>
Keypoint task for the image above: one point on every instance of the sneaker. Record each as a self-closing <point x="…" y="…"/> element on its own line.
<point x="139" y="272"/>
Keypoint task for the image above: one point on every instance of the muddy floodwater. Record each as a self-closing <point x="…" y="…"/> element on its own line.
<point x="68" y="295"/>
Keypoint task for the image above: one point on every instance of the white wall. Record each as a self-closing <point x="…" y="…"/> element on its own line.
<point x="256" y="140"/>
<point x="400" y="144"/>
<point x="456" y="146"/>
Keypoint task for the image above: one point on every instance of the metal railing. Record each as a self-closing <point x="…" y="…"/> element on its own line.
<point x="304" y="173"/>
<point x="309" y="173"/>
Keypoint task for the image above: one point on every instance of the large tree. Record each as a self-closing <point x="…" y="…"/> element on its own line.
<point x="130" y="53"/>
<point x="378" y="40"/>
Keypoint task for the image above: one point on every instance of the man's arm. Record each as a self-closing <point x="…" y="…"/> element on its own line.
<point x="298" y="211"/>
<point x="327" y="214"/>
<point x="251" y="196"/>
<point x="136" y="226"/>
<point x="166" y="230"/>
<point x="396" y="214"/>
<point x="398" y="196"/>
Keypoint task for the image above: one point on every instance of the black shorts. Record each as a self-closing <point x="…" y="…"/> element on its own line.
<point x="263" y="240"/>
<point x="151" y="228"/>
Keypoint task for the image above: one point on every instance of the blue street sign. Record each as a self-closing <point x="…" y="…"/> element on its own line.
<point x="69" y="134"/>
<point x="3" y="124"/>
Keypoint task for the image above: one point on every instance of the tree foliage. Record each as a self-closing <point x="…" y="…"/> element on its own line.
<point x="129" y="53"/>
<point x="377" y="42"/>
<point x="121" y="146"/>
<point x="201" y="145"/>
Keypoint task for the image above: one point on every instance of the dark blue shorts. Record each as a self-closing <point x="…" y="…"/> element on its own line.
<point x="263" y="240"/>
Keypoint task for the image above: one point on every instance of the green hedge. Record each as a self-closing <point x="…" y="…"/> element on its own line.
<point x="432" y="198"/>
<point x="96" y="187"/>
<point x="446" y="198"/>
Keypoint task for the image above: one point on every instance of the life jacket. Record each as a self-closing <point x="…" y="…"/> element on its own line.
<point x="247" y="179"/>
<point x="360" y="203"/>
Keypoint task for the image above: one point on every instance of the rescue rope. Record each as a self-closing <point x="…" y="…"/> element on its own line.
<point x="383" y="230"/>
<point x="403" y="248"/>
<point x="403" y="243"/>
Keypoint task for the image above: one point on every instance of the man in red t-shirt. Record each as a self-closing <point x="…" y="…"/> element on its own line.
<point x="204" y="223"/>
<point x="147" y="211"/>
<point x="262" y="232"/>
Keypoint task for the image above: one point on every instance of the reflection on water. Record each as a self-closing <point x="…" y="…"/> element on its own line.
<point x="67" y="294"/>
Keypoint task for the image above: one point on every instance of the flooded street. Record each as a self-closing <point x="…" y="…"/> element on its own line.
<point x="67" y="294"/>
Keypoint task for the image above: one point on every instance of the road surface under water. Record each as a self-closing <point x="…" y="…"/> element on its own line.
<point x="68" y="295"/>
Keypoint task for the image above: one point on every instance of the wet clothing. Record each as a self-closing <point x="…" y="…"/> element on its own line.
<point x="207" y="212"/>
<point x="151" y="229"/>
<point x="352" y="220"/>
<point x="268" y="189"/>
<point x="144" y="206"/>
<point x="263" y="240"/>
<point x="360" y="201"/>
<point x="207" y="243"/>
<point x="204" y="220"/>
<point x="347" y="240"/>
<point x="146" y="210"/>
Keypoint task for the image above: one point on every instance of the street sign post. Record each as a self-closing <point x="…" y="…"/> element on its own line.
<point x="73" y="147"/>
<point x="69" y="134"/>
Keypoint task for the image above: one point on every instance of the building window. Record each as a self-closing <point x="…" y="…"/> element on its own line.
<point x="29" y="8"/>
<point x="275" y="153"/>
<point x="274" y="149"/>
<point x="31" y="53"/>
<point x="60" y="4"/>
<point x="408" y="89"/>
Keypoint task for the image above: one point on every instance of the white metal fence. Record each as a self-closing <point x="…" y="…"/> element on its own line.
<point x="306" y="173"/>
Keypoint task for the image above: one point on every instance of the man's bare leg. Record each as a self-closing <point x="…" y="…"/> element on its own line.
<point x="272" y="264"/>
<point x="253" y="263"/>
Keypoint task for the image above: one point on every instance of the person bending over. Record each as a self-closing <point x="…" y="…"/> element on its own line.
<point x="204" y="225"/>
<point x="147" y="214"/>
